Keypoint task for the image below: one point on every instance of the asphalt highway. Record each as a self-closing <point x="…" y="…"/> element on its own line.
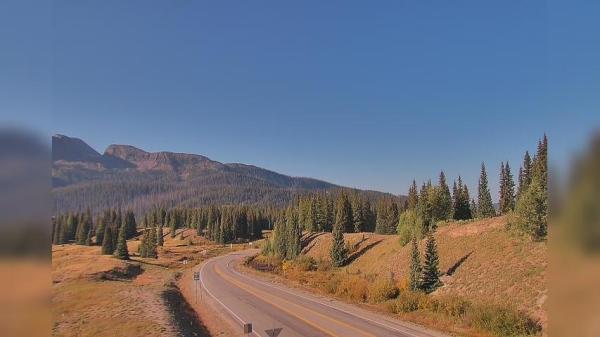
<point x="250" y="299"/>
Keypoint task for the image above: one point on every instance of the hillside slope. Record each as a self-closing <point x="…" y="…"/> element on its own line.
<point x="130" y="177"/>
<point x="482" y="262"/>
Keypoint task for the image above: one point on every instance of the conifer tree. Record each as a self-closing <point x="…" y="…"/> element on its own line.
<point x="160" y="236"/>
<point x="151" y="246"/>
<point x="531" y="211"/>
<point x="484" y="203"/>
<point x="414" y="277"/>
<point x="359" y="214"/>
<point x="442" y="200"/>
<point x="130" y="224"/>
<point x="279" y="238"/>
<point x="339" y="252"/>
<point x="173" y="227"/>
<point x="431" y="273"/>
<point x="413" y="197"/>
<point x="344" y="214"/>
<point x="293" y="234"/>
<point x="424" y="208"/>
<point x="525" y="174"/>
<point x="107" y="244"/>
<point x="507" y="189"/>
<point x="142" y="248"/>
<point x="121" y="251"/>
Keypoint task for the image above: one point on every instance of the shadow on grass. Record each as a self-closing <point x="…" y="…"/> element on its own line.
<point x="183" y="316"/>
<point x="363" y="250"/>
<point x="306" y="241"/>
<point x="455" y="266"/>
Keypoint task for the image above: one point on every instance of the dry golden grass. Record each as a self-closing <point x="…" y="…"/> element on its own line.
<point x="485" y="266"/>
<point x="92" y="295"/>
<point x="499" y="267"/>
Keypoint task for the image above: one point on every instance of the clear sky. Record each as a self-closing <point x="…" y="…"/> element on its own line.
<point x="364" y="94"/>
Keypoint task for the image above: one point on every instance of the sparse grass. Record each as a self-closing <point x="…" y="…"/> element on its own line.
<point x="98" y="295"/>
<point x="497" y="285"/>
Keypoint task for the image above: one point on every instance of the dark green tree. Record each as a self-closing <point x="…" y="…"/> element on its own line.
<point x="107" y="244"/>
<point x="160" y="236"/>
<point x="293" y="234"/>
<point x="339" y="252"/>
<point x="343" y="216"/>
<point x="413" y="196"/>
<point x="441" y="200"/>
<point x="485" y="206"/>
<point x="431" y="274"/>
<point x="507" y="189"/>
<point x="414" y="277"/>
<point x="121" y="251"/>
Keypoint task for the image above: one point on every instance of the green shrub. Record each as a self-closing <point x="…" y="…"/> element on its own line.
<point x="382" y="289"/>
<point x="305" y="263"/>
<point x="408" y="301"/>
<point x="502" y="321"/>
<point x="450" y="306"/>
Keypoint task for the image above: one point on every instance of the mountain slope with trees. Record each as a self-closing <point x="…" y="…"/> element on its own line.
<point x="128" y="177"/>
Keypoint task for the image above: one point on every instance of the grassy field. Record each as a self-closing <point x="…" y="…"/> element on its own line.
<point x="98" y="295"/>
<point x="486" y="269"/>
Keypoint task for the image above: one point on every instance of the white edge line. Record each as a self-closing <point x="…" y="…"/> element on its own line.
<point x="332" y="307"/>
<point x="222" y="304"/>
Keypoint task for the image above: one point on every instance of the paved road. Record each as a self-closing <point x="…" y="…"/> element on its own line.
<point x="247" y="298"/>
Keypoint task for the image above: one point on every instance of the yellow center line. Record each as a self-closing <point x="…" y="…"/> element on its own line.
<point x="261" y="294"/>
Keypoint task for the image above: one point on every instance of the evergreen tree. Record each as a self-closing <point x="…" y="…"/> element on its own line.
<point x="173" y="227"/>
<point x="424" y="208"/>
<point x="414" y="277"/>
<point x="339" y="252"/>
<point x="531" y="211"/>
<point x="484" y="203"/>
<point x="130" y="224"/>
<point x="107" y="244"/>
<point x="441" y="201"/>
<point x="507" y="189"/>
<point x="279" y="238"/>
<point x="293" y="234"/>
<point x="121" y="251"/>
<point x="525" y="174"/>
<point x="160" y="236"/>
<point x="431" y="273"/>
<point x="151" y="246"/>
<point x="413" y="197"/>
<point x="344" y="214"/>
<point x="358" y="214"/>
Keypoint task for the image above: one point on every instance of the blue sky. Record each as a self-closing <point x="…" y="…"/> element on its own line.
<point x="369" y="95"/>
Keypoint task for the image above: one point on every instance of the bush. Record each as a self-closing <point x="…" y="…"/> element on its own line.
<point x="502" y="321"/>
<point x="353" y="288"/>
<point x="305" y="263"/>
<point x="324" y="265"/>
<point x="450" y="306"/>
<point x="408" y="301"/>
<point x="382" y="289"/>
<point x="331" y="286"/>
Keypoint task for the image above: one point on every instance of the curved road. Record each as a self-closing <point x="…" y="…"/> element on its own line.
<point x="246" y="298"/>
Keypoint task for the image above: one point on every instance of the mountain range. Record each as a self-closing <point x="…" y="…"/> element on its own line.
<point x="128" y="177"/>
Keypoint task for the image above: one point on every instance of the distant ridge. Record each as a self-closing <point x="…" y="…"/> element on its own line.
<point x="129" y="177"/>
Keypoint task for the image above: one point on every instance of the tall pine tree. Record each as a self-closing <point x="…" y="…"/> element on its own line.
<point x="431" y="273"/>
<point x="414" y="277"/>
<point x="339" y="252"/>
<point x="484" y="203"/>
<point x="121" y="251"/>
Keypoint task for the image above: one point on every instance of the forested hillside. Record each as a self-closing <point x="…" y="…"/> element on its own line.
<point x="131" y="178"/>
